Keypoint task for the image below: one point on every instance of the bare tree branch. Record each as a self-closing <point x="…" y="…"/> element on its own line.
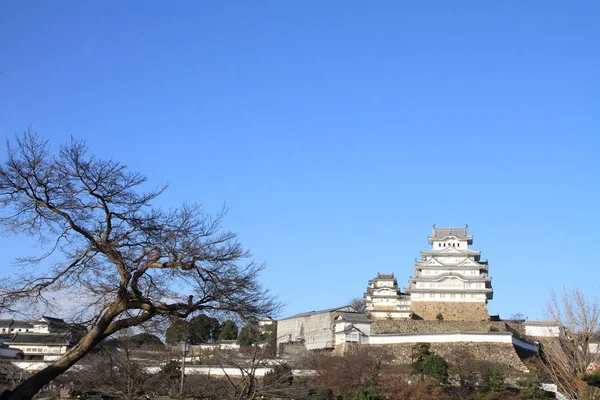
<point x="130" y="262"/>
<point x="568" y="357"/>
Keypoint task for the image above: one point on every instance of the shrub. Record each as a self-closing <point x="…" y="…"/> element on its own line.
<point x="531" y="390"/>
<point x="280" y="376"/>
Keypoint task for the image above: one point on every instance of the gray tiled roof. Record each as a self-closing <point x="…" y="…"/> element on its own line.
<point x="354" y="317"/>
<point x="457" y="232"/>
<point x="533" y="322"/>
<point x="309" y="313"/>
<point x="447" y="253"/>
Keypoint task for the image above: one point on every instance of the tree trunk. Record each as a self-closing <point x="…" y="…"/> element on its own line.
<point x="30" y="387"/>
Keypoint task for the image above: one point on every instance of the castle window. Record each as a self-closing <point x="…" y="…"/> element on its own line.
<point x="458" y="245"/>
<point x="439" y="245"/>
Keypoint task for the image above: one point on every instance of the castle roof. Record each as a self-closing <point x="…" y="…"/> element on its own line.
<point x="459" y="233"/>
<point x="450" y="251"/>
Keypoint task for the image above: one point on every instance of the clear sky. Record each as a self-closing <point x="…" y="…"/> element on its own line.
<point x="337" y="132"/>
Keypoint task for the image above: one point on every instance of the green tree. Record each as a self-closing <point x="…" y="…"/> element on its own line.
<point x="178" y="330"/>
<point x="204" y="329"/>
<point x="428" y="364"/>
<point x="494" y="379"/>
<point x="229" y="331"/>
<point x="249" y="335"/>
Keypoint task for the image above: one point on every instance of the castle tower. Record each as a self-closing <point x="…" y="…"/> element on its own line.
<point x="384" y="300"/>
<point x="450" y="280"/>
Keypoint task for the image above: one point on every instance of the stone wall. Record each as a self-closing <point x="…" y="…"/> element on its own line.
<point x="422" y="326"/>
<point x="451" y="311"/>
<point x="501" y="353"/>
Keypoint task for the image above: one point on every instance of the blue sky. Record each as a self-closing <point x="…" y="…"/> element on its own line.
<point x="336" y="132"/>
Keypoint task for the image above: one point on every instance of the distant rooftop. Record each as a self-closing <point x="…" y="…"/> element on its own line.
<point x="537" y="322"/>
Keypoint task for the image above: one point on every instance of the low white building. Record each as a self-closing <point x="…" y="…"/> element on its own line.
<point x="352" y="327"/>
<point x="40" y="346"/>
<point x="45" y="339"/>
<point x="541" y="328"/>
<point x="11" y="326"/>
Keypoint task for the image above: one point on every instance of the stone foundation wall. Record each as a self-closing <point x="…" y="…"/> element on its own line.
<point x="451" y="311"/>
<point x="501" y="353"/>
<point x="422" y="326"/>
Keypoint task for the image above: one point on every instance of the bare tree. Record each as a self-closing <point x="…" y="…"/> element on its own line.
<point x="128" y="262"/>
<point x="567" y="357"/>
<point x="257" y="353"/>
<point x="358" y="304"/>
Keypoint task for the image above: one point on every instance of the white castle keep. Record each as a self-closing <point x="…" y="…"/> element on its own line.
<point x="450" y="282"/>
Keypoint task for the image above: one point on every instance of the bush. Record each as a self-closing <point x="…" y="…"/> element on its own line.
<point x="531" y="390"/>
<point x="280" y="376"/>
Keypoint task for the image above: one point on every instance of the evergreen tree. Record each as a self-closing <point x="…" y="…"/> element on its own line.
<point x="204" y="329"/>
<point x="179" y="330"/>
<point x="229" y="331"/>
<point x="428" y="364"/>
<point x="248" y="336"/>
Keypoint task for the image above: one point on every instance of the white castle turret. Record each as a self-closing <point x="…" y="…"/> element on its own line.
<point x="383" y="299"/>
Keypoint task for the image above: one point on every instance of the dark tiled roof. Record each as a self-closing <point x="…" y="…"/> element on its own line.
<point x="53" y="319"/>
<point x="354" y="317"/>
<point x="39" y="338"/>
<point x="5" y="323"/>
<point x="11" y="323"/>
